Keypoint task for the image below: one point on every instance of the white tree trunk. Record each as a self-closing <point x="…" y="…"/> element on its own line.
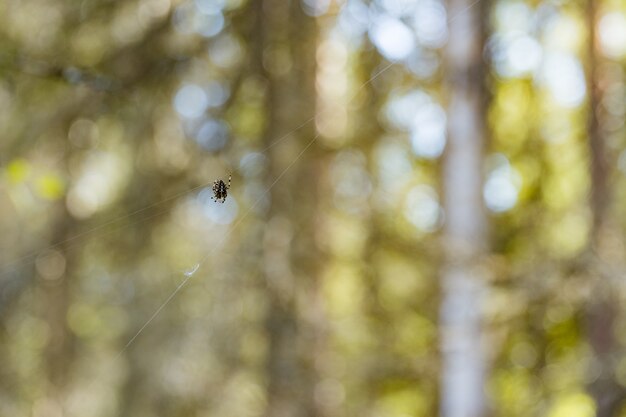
<point x="465" y="237"/>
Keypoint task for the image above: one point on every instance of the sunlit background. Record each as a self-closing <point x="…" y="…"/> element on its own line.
<point x="320" y="287"/>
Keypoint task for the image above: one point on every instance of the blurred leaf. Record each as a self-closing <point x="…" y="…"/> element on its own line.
<point x="17" y="170"/>
<point x="50" y="186"/>
<point x="573" y="405"/>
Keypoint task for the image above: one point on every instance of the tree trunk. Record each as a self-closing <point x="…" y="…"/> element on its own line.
<point x="465" y="237"/>
<point x="603" y="306"/>
<point x="286" y="60"/>
<point x="54" y="269"/>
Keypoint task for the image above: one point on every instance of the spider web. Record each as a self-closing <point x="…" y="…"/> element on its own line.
<point x="113" y="225"/>
<point x="191" y="272"/>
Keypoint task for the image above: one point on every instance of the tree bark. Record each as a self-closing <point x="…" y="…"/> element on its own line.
<point x="285" y="58"/>
<point x="603" y="306"/>
<point x="55" y="270"/>
<point x="465" y="236"/>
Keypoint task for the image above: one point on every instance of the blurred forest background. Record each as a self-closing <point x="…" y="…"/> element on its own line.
<point x="426" y="214"/>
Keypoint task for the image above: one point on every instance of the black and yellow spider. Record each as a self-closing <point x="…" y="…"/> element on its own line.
<point x="220" y="190"/>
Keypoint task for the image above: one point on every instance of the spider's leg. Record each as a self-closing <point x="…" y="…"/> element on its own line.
<point x="229" y="178"/>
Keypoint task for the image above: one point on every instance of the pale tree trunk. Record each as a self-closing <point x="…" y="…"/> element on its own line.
<point x="603" y="306"/>
<point x="286" y="60"/>
<point x="465" y="235"/>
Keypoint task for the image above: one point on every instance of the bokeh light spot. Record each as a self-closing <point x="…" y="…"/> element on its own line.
<point x="612" y="34"/>
<point x="213" y="135"/>
<point x="392" y="37"/>
<point x="501" y="188"/>
<point x="422" y="208"/>
<point x="428" y="131"/>
<point x="565" y="79"/>
<point x="431" y="26"/>
<point x="219" y="213"/>
<point x="191" y="101"/>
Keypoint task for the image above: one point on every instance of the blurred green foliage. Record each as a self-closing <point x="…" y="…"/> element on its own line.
<point x="315" y="288"/>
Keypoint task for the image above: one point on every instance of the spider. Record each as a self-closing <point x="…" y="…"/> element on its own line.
<point x="220" y="190"/>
